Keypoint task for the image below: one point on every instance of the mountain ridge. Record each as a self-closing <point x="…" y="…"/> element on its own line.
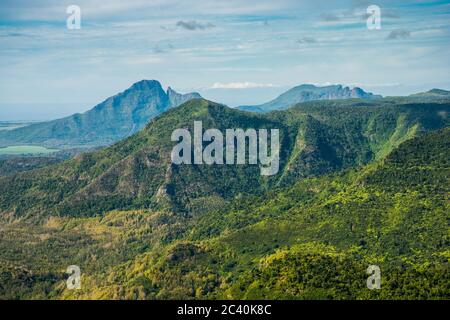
<point x="316" y="138"/>
<point x="312" y="240"/>
<point x="115" y="118"/>
<point x="309" y="92"/>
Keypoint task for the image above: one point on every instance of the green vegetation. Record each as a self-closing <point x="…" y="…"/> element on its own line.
<point x="360" y="183"/>
<point x="316" y="138"/>
<point x="16" y="164"/>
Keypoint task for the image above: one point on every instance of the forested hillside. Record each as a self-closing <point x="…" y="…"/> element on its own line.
<point x="316" y="138"/>
<point x="313" y="240"/>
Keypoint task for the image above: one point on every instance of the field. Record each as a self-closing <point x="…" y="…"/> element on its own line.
<point x="20" y="150"/>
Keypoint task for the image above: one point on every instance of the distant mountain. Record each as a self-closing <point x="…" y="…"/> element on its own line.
<point x="309" y="92"/>
<point x="433" y="93"/>
<point x="112" y="120"/>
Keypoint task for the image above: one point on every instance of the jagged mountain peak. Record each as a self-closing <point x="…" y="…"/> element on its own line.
<point x="310" y="92"/>
<point x="146" y="84"/>
<point x="171" y="91"/>
<point x="115" y="118"/>
<point x="175" y="98"/>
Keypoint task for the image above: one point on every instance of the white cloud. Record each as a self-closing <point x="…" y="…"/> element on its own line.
<point x="194" y="25"/>
<point x="142" y="60"/>
<point x="55" y="10"/>
<point x="241" y="85"/>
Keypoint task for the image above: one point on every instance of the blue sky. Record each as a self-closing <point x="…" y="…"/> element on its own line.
<point x="235" y="51"/>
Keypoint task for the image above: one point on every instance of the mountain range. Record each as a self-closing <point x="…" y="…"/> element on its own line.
<point x="126" y="113"/>
<point x="361" y="182"/>
<point x="110" y="121"/>
<point x="309" y="92"/>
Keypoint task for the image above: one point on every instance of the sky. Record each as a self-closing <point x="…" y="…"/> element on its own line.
<point x="237" y="52"/>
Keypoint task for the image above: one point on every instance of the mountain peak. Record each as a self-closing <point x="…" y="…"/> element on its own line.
<point x="176" y="99"/>
<point x="146" y="84"/>
<point x="172" y="93"/>
<point x="439" y="92"/>
<point x="115" y="118"/>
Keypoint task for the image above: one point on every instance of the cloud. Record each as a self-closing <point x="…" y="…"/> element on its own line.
<point x="241" y="85"/>
<point x="144" y="60"/>
<point x="115" y="10"/>
<point x="306" y="40"/>
<point x="329" y="17"/>
<point x="158" y="49"/>
<point x="353" y="15"/>
<point x="398" y="34"/>
<point x="163" y="48"/>
<point x="194" y="25"/>
<point x="16" y="34"/>
<point x="342" y="17"/>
